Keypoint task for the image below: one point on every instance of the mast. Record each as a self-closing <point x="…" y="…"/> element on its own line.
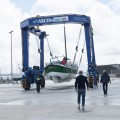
<point x="65" y="42"/>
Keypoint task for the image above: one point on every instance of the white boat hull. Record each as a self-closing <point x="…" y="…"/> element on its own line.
<point x="60" y="77"/>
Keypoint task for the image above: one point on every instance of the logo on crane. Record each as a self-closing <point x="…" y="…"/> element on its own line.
<point x="51" y="20"/>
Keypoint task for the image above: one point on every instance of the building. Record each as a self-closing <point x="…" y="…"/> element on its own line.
<point x="113" y="69"/>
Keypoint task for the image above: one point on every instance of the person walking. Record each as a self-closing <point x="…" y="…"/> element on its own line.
<point x="105" y="79"/>
<point x="38" y="83"/>
<point x="80" y="87"/>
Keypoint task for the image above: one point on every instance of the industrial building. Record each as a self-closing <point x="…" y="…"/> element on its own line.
<point x="113" y="69"/>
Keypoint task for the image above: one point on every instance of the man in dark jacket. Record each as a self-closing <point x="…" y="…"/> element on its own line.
<point x="80" y="88"/>
<point x="105" y="79"/>
<point x="38" y="82"/>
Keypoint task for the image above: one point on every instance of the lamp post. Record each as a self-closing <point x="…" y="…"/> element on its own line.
<point x="11" y="56"/>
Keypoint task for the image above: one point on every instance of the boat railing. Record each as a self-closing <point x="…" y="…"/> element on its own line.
<point x="58" y="62"/>
<point x="71" y="66"/>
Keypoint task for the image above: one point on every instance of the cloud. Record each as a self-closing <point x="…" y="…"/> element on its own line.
<point x="106" y="37"/>
<point x="61" y="6"/>
<point x="105" y="21"/>
<point x="115" y="6"/>
<point x="10" y="17"/>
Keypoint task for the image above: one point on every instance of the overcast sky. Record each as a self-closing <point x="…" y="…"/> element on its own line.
<point x="105" y="18"/>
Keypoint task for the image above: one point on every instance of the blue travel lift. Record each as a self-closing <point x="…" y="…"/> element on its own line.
<point x="30" y="24"/>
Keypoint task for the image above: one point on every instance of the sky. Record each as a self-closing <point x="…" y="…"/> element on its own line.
<point x="105" y="18"/>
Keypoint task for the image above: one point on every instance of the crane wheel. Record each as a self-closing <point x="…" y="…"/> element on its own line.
<point x="27" y="84"/>
<point x="27" y="87"/>
<point x="43" y="83"/>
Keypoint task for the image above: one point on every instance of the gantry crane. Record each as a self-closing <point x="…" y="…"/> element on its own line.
<point x="29" y="25"/>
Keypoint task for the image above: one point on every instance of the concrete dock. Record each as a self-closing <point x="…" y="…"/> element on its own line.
<point x="58" y="102"/>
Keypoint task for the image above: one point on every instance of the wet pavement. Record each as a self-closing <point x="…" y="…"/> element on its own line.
<point x="58" y="102"/>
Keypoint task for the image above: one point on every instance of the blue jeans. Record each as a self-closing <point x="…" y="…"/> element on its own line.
<point x="81" y="93"/>
<point x="105" y="88"/>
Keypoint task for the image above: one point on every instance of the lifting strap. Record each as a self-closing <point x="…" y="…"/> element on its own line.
<point x="75" y="51"/>
<point x="49" y="47"/>
<point x="77" y="45"/>
<point x="81" y="54"/>
<point x="38" y="48"/>
<point x="38" y="45"/>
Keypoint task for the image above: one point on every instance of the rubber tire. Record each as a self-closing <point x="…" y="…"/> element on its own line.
<point x="28" y="85"/>
<point x="42" y="83"/>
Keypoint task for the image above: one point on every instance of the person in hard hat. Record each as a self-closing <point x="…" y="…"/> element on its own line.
<point x="80" y="88"/>
<point x="38" y="83"/>
<point x="105" y="79"/>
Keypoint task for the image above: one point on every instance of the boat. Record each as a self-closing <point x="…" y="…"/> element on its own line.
<point x="58" y="72"/>
<point x="61" y="71"/>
